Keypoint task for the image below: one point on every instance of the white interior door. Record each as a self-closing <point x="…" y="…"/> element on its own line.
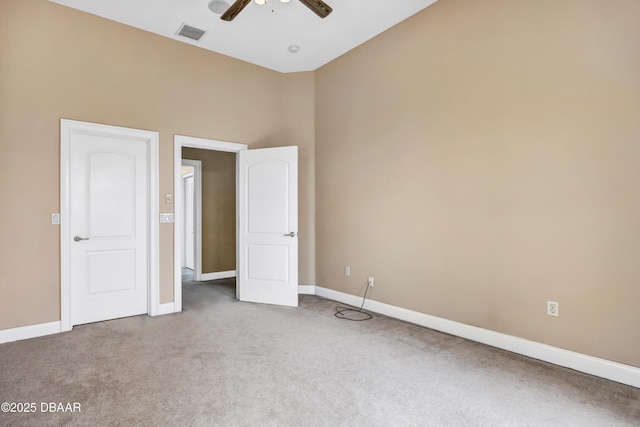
<point x="109" y="230"/>
<point x="268" y="226"/>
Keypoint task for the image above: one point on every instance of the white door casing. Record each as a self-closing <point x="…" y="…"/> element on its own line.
<point x="109" y="198"/>
<point x="268" y="226"/>
<point x="179" y="142"/>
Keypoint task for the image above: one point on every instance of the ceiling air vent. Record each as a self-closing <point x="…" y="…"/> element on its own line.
<point x="190" y="32"/>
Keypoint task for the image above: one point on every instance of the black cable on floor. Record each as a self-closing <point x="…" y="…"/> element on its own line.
<point x="350" y="311"/>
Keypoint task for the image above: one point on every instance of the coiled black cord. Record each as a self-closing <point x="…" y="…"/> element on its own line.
<point x="345" y="312"/>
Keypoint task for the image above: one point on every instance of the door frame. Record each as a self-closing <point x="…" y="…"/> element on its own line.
<point x="152" y="140"/>
<point x="197" y="210"/>
<point x="185" y="208"/>
<point x="180" y="141"/>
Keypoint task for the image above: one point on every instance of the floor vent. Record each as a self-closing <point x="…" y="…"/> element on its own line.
<point x="190" y="32"/>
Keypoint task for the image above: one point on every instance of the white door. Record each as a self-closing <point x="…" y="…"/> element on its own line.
<point x="268" y="226"/>
<point x="189" y="223"/>
<point x="108" y="226"/>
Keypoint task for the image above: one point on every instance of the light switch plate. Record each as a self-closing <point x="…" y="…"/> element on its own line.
<point x="55" y="218"/>
<point x="166" y="217"/>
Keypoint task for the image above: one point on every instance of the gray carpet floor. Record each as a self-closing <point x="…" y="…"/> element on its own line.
<point x="225" y="363"/>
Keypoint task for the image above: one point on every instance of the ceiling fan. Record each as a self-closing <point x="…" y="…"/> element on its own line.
<point x="319" y="7"/>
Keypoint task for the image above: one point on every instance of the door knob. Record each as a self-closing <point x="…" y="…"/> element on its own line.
<point x="78" y="238"/>
<point x="292" y="234"/>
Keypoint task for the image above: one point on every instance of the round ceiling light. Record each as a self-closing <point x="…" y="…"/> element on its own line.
<point x="218" y="6"/>
<point x="294" y="48"/>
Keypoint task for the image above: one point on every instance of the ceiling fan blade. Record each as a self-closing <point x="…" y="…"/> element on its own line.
<point x="234" y="10"/>
<point x="319" y="7"/>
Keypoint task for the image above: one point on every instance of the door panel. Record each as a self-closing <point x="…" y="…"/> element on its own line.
<point x="111" y="189"/>
<point x="104" y="278"/>
<point x="109" y="214"/>
<point x="268" y="262"/>
<point x="268" y="212"/>
<point x="268" y="197"/>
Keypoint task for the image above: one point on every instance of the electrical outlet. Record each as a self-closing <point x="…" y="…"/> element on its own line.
<point x="553" y="308"/>
<point x="347" y="270"/>
<point x="370" y="281"/>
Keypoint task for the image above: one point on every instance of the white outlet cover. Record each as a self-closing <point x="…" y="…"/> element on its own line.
<point x="553" y="308"/>
<point x="166" y="217"/>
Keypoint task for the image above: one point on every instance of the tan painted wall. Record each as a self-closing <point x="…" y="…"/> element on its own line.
<point x="482" y="158"/>
<point x="297" y="100"/>
<point x="218" y="208"/>
<point x="478" y="159"/>
<point x="58" y="63"/>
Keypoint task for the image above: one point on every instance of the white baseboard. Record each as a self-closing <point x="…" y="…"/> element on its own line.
<point x="31" y="331"/>
<point x="625" y="374"/>
<point x="50" y="328"/>
<point x="167" y="308"/>
<point x="217" y="275"/>
<point x="306" y="290"/>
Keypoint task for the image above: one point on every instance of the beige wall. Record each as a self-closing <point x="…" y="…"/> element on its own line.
<point x="297" y="100"/>
<point x="478" y="159"/>
<point x="482" y="158"/>
<point x="218" y="208"/>
<point x="56" y="63"/>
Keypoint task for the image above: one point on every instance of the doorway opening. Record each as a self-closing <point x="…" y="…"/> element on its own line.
<point x="191" y="209"/>
<point x="214" y="251"/>
<point x="189" y="229"/>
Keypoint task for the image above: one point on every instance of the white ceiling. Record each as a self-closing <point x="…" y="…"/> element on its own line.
<point x="262" y="34"/>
